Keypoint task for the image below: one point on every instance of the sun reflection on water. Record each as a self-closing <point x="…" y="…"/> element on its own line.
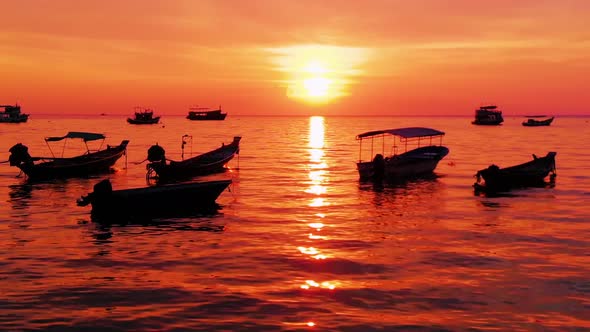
<point x="317" y="189"/>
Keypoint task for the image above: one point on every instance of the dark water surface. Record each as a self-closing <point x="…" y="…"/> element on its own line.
<point x="298" y="244"/>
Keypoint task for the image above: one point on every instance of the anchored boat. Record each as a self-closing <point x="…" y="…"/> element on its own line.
<point x="529" y="174"/>
<point x="411" y="152"/>
<point x="210" y="162"/>
<point x="87" y="163"/>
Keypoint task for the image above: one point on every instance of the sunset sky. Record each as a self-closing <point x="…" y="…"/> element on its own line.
<point x="273" y="57"/>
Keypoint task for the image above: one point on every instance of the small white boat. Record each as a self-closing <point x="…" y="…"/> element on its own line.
<point x="412" y="152"/>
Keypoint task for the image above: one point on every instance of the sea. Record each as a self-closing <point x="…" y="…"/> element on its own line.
<point x="296" y="242"/>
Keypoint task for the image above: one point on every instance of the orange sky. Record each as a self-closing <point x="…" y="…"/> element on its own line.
<point x="273" y="57"/>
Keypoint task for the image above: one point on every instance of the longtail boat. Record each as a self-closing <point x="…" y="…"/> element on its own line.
<point x="88" y="163"/>
<point x="214" y="161"/>
<point x="529" y="174"/>
<point x="152" y="200"/>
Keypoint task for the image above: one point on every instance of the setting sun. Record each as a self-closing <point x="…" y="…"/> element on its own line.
<point x="319" y="74"/>
<point x="317" y="86"/>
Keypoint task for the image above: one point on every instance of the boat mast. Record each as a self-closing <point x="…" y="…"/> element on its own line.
<point x="184" y="137"/>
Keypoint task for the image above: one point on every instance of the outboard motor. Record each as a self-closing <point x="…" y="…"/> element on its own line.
<point x="490" y="172"/>
<point x="19" y="154"/>
<point x="102" y="192"/>
<point x="156" y="153"/>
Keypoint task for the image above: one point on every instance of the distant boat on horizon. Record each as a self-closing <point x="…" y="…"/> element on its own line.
<point x="143" y="116"/>
<point x="488" y="115"/>
<point x="205" y="113"/>
<point x="12" y="114"/>
<point x="531" y="122"/>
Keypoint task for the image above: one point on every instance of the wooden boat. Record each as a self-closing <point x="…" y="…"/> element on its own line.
<point x="528" y="174"/>
<point x="536" y="123"/>
<point x="12" y="114"/>
<point x="488" y="115"/>
<point x="143" y="116"/>
<point x="152" y="200"/>
<point x="91" y="162"/>
<point x="419" y="156"/>
<point x="205" y="113"/>
<point x="214" y="161"/>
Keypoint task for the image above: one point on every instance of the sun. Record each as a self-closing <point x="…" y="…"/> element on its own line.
<point x="316" y="86"/>
<point x="318" y="74"/>
<point x="313" y="84"/>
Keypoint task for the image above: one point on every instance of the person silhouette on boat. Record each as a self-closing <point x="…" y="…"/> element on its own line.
<point x="378" y="168"/>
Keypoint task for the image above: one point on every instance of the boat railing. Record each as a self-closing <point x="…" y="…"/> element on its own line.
<point x="398" y="144"/>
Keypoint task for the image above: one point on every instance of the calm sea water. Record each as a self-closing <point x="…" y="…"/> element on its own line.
<point x="298" y="244"/>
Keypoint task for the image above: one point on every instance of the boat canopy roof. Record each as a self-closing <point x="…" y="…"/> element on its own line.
<point x="77" y="134"/>
<point x="409" y="132"/>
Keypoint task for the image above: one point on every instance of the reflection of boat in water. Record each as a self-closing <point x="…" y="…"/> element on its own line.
<point x="415" y="160"/>
<point x="153" y="200"/>
<point x="488" y="115"/>
<point x="143" y="116"/>
<point x="205" y="113"/>
<point x="528" y="174"/>
<point x="214" y="161"/>
<point x="90" y="162"/>
<point x="12" y="114"/>
<point x="536" y="123"/>
<point x="20" y="195"/>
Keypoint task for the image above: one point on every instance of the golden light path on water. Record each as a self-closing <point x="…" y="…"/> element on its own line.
<point x="317" y="178"/>
<point x="319" y="74"/>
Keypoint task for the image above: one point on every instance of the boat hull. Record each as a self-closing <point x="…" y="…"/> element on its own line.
<point x="487" y="122"/>
<point x="139" y="122"/>
<point x="414" y="163"/>
<point x="211" y="162"/>
<point x="80" y="166"/>
<point x="154" y="200"/>
<point x="19" y="119"/>
<point x="529" y="174"/>
<point x="207" y="117"/>
<point x="537" y="123"/>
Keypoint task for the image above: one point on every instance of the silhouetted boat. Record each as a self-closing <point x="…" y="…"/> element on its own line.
<point x="537" y="123"/>
<point x="91" y="162"/>
<point x="529" y="174"/>
<point x="12" y="114"/>
<point x="395" y="166"/>
<point x="205" y="113"/>
<point x="152" y="199"/>
<point x="210" y="162"/>
<point x="143" y="116"/>
<point x="488" y="115"/>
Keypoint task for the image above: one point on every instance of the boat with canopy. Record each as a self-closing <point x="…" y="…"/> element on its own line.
<point x="404" y="153"/>
<point x="205" y="113"/>
<point x="92" y="161"/>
